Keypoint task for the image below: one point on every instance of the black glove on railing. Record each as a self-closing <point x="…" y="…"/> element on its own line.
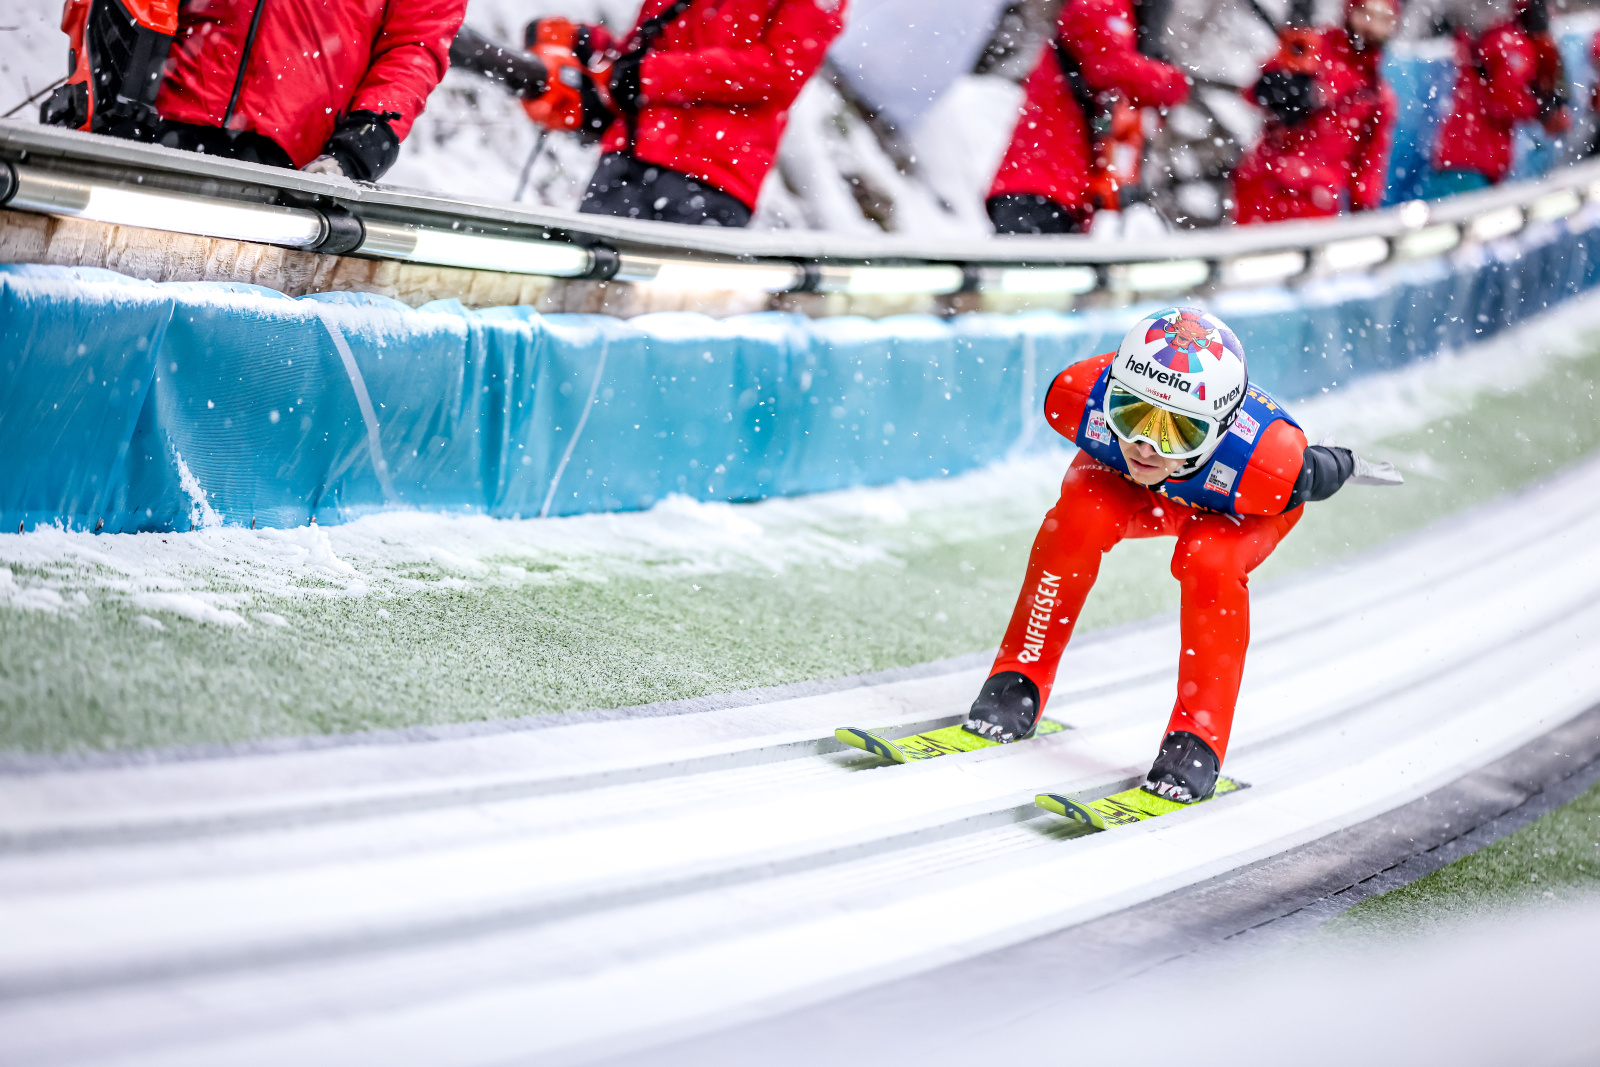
<point x="364" y="144"/>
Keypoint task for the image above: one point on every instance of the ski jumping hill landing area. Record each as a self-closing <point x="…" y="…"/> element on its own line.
<point x="606" y="888"/>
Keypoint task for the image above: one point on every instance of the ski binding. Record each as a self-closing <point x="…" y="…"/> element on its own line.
<point x="1125" y="808"/>
<point x="941" y="742"/>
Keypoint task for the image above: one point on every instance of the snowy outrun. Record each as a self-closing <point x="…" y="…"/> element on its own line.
<point x="799" y="531"/>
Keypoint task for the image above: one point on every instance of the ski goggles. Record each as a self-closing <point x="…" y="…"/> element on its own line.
<point x="1173" y="433"/>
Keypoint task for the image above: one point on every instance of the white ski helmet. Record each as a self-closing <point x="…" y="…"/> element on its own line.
<point x="1177" y="381"/>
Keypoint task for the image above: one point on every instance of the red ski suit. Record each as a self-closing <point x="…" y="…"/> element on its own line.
<point x="1495" y="77"/>
<point x="1049" y="151"/>
<point x="1212" y="560"/>
<point x="312" y="62"/>
<point x="716" y="86"/>
<point x="1594" y="56"/>
<point x="1339" y="155"/>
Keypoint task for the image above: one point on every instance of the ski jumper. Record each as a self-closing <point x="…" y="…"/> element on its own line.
<point x="1337" y="157"/>
<point x="1049" y="152"/>
<point x="1495" y="78"/>
<point x="1227" y="517"/>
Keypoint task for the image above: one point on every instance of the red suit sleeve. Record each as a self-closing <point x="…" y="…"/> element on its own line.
<point x="1069" y="394"/>
<point x="1274" y="467"/>
<point x="773" y="69"/>
<point x="1512" y="65"/>
<point x="1370" y="167"/>
<point x="1101" y="36"/>
<point x="409" y="56"/>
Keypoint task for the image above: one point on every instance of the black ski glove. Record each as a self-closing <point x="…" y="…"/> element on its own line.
<point x="1322" y="472"/>
<point x="1291" y="97"/>
<point x="364" y="144"/>
<point x="625" y="90"/>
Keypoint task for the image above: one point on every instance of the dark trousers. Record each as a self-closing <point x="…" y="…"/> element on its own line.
<point x="631" y="189"/>
<point x="1012" y="213"/>
<point x="247" y="145"/>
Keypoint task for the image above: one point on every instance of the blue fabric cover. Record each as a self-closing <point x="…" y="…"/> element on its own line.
<point x="145" y="406"/>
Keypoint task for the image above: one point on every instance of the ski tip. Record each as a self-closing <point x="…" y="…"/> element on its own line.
<point x="1071" y="809"/>
<point x="870" y="742"/>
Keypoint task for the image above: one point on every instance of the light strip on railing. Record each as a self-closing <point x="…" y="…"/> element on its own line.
<point x="120" y="205"/>
<point x="1269" y="267"/>
<point x="1353" y="254"/>
<point x="759" y="277"/>
<point x="1038" y="281"/>
<point x="1160" y="276"/>
<point x="481" y="252"/>
<point x="1501" y="222"/>
<point x="1556" y="205"/>
<point x="932" y="280"/>
<point x="1429" y="241"/>
<point x="210" y="218"/>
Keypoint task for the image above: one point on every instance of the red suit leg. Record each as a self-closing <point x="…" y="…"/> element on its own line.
<point x="1212" y="562"/>
<point x="1098" y="508"/>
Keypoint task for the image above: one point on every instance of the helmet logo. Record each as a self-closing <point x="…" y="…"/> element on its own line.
<point x="1186" y="337"/>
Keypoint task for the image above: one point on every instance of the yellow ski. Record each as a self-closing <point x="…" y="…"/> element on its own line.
<point x="1124" y="808"/>
<point x="941" y="742"/>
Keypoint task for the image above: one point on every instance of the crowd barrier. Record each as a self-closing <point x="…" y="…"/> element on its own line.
<point x="129" y="405"/>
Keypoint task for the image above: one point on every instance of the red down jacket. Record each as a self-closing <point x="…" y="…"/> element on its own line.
<point x="1339" y="153"/>
<point x="1049" y="151"/>
<point x="312" y="62"/>
<point x="1494" y="91"/>
<point x="716" y="86"/>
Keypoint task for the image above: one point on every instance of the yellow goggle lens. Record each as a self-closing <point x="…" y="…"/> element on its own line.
<point x="1173" y="433"/>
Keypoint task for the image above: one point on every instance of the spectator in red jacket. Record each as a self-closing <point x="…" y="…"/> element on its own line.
<point x="1550" y="81"/>
<point x="331" y="86"/>
<point x="1325" y="147"/>
<point x="702" y="95"/>
<point x="1043" y="182"/>
<point x="1594" y="93"/>
<point x="1497" y="69"/>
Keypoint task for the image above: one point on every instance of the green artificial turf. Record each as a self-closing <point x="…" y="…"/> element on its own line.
<point x="1553" y="860"/>
<point x="101" y="676"/>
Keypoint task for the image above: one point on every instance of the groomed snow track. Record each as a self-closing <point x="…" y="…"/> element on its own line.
<point x="567" y="893"/>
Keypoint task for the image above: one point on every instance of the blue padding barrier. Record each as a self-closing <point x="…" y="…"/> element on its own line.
<point x="127" y="405"/>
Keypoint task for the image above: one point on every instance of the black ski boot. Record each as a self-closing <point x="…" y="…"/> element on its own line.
<point x="1007" y="709"/>
<point x="1186" y="770"/>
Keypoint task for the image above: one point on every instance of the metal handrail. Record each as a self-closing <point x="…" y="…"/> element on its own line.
<point x="388" y="222"/>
